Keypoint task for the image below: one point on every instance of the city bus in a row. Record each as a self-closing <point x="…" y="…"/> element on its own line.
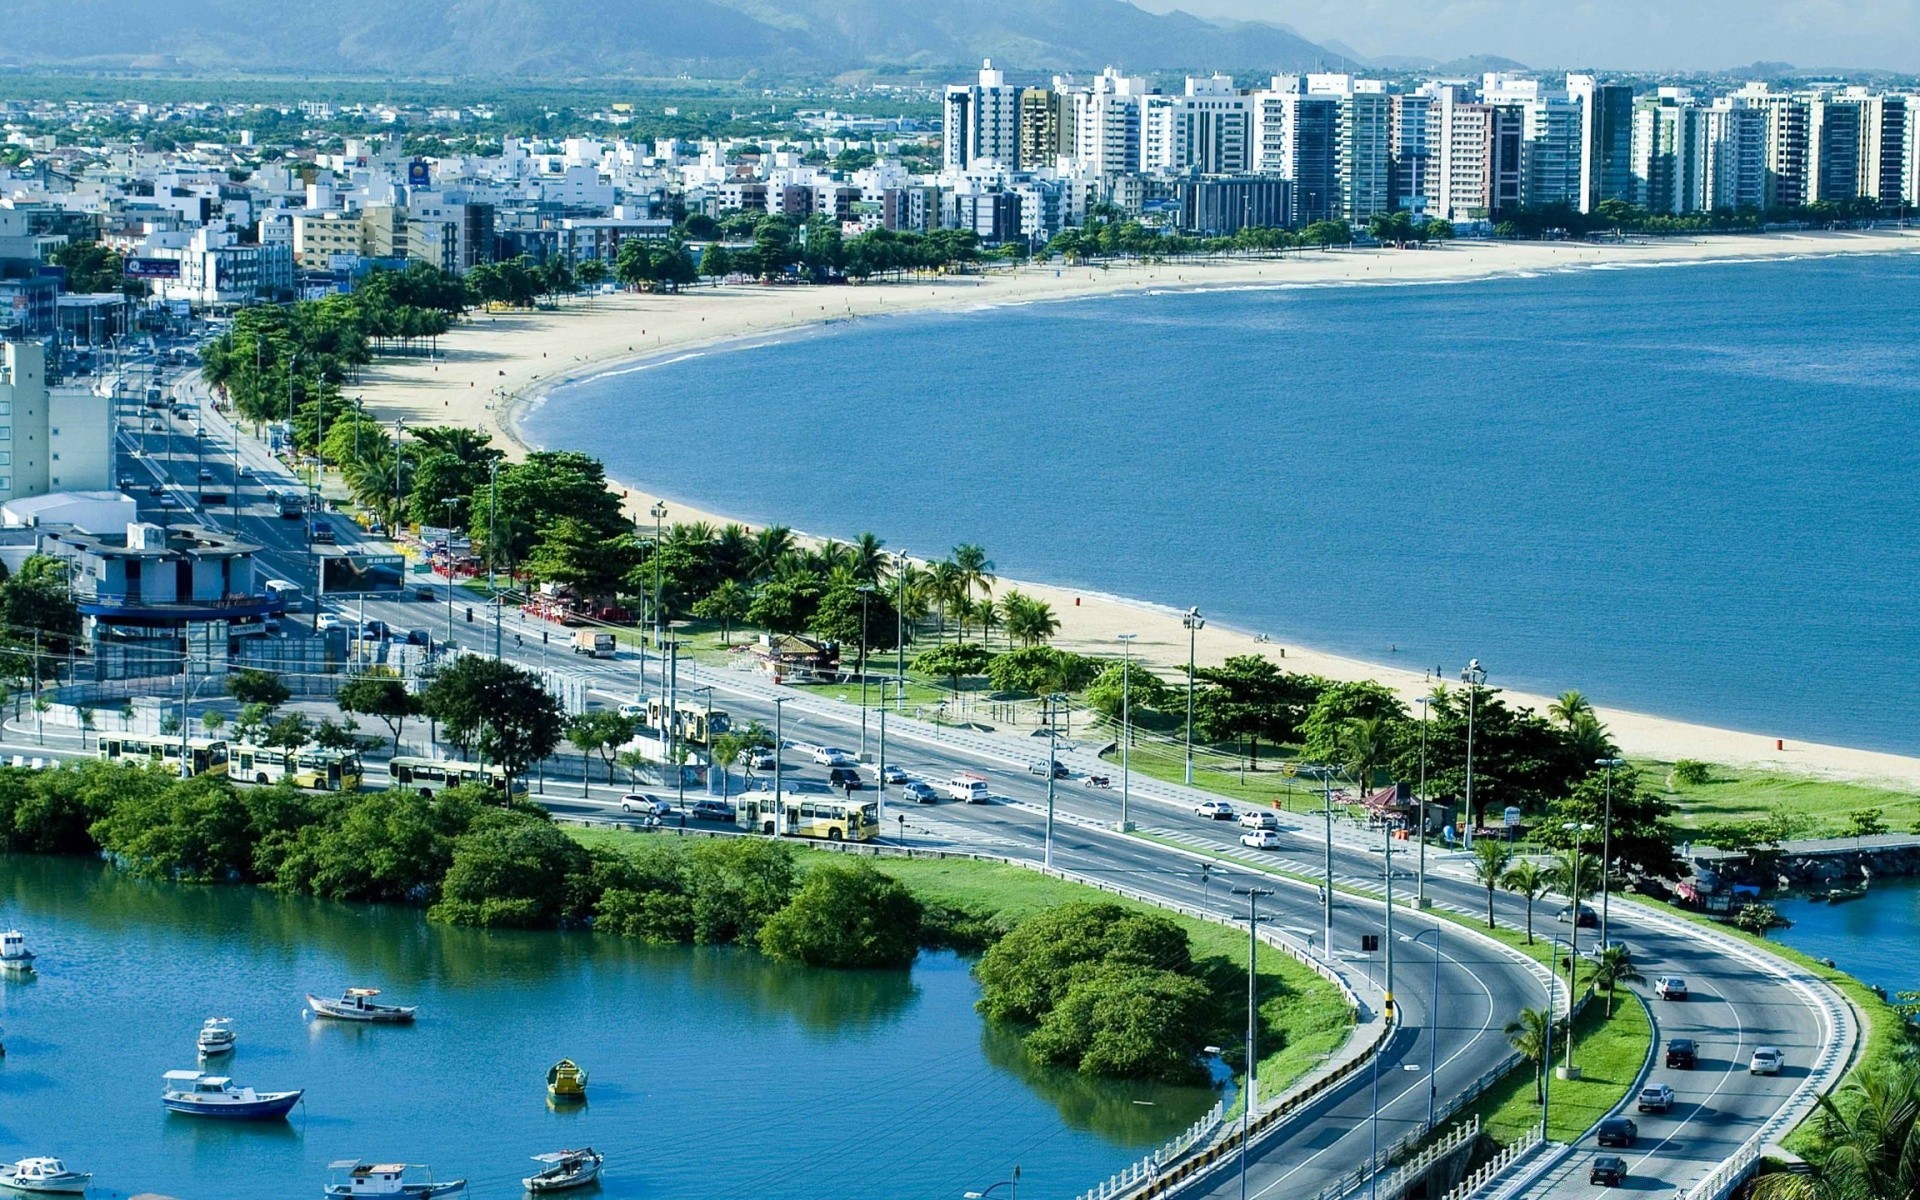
<point x="691" y="722"/>
<point x="205" y="756"/>
<point x="308" y="767"/>
<point x="808" y="815"/>
<point x="429" y="775"/>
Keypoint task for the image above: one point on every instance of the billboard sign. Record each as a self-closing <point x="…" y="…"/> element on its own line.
<point x="353" y="574"/>
<point x="419" y="174"/>
<point x="153" y="268"/>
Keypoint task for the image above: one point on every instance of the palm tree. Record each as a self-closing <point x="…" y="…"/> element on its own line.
<point x="732" y="551"/>
<point x="771" y="548"/>
<point x="1570" y="707"/>
<point x="1531" y="1033"/>
<point x="976" y="569"/>
<point x="1028" y="620"/>
<point x="1570" y="864"/>
<point x="1590" y="739"/>
<point x="945" y="588"/>
<point x="1491" y="857"/>
<point x="1869" y="1141"/>
<point x="869" y="558"/>
<point x="1362" y="745"/>
<point x="1614" y="967"/>
<point x="1527" y="879"/>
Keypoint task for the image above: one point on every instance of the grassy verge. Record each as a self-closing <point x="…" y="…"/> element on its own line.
<point x="1268" y="787"/>
<point x="1306" y="1012"/>
<point x="1825" y="805"/>
<point x="1609" y="1052"/>
<point x="1884" y="1036"/>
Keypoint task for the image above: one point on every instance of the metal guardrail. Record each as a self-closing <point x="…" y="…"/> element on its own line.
<point x="1149" y="1168"/>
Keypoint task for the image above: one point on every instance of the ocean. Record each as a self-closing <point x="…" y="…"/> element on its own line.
<point x="1690" y="490"/>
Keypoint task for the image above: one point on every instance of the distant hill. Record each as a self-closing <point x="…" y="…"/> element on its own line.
<point x="576" y="38"/>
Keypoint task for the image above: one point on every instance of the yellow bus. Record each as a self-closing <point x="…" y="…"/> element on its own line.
<point x="429" y="775"/>
<point x="692" y="722"/>
<point x="809" y="815"/>
<point x="205" y="756"/>
<point x="307" y="767"/>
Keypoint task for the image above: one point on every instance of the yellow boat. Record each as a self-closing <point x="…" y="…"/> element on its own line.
<point x="566" y="1080"/>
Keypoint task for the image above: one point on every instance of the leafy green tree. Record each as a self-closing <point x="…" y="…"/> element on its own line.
<point x="846" y="916"/>
<point x="1363" y="747"/>
<point x="1039" y="670"/>
<point x="715" y="263"/>
<point x="37" y="599"/>
<point x="1519" y="758"/>
<point x="1865" y="823"/>
<point x="1252" y="699"/>
<point x="954" y="660"/>
<point x="383" y="697"/>
<point x="393" y="847"/>
<point x="330" y="734"/>
<point x="538" y="492"/>
<point x="572" y="553"/>
<point x="258" y="687"/>
<point x="91" y="267"/>
<point x="1338" y="703"/>
<point x="737" y="885"/>
<point x="496" y="708"/>
<point x="514" y="871"/>
<point x="1491" y="857"/>
<point x="728" y="604"/>
<point x="1643" y="833"/>
<point x="1866" y="1140"/>
<point x="289" y="733"/>
<point x="1027" y="972"/>
<point x="195" y="830"/>
<point x="1143" y="691"/>
<point x="1127" y="1022"/>
<point x="839" y="618"/>
<point x="600" y="731"/>
<point x="786" y="605"/>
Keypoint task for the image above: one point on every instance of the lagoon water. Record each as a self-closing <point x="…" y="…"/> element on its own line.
<point x="1870" y="938"/>
<point x="1691" y="490"/>
<point x="715" y="1073"/>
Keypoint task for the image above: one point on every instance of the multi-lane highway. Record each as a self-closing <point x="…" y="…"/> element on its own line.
<point x="1737" y="1001"/>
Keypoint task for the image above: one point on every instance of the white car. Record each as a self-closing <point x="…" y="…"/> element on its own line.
<point x="326" y="621"/>
<point x="890" y="774"/>
<point x="1766" y="1060"/>
<point x="830" y="756"/>
<point x="634" y="711"/>
<point x="1258" y="818"/>
<point x="640" y="802"/>
<point x="757" y="758"/>
<point x="1670" y="987"/>
<point x="1261" y="839"/>
<point x="1214" y="810"/>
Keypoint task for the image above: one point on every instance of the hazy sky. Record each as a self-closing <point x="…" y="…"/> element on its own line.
<point x="1628" y="34"/>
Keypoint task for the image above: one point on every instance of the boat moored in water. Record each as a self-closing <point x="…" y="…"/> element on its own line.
<point x="14" y="955"/>
<point x="565" y="1170"/>
<point x="350" y="1178"/>
<point x="216" y="1037"/>
<point x="201" y="1095"/>
<point x="566" y="1080"/>
<point x="49" y="1176"/>
<point x="357" y="1004"/>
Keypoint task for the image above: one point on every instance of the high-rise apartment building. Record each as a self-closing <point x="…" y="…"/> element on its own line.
<point x="1884" y="140"/>
<point x="1833" y="149"/>
<point x="1669" y="153"/>
<point x="1736" y="163"/>
<point x="1363" y="139"/>
<point x="1207" y="130"/>
<point x="1107" y="124"/>
<point x="1407" y="146"/>
<point x="1606" y="139"/>
<point x="1296" y="136"/>
<point x="982" y="122"/>
<point x="1046" y="126"/>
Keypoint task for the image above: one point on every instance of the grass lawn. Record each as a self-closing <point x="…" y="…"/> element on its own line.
<point x="1268" y="787"/>
<point x="1609" y="1053"/>
<point x="1305" y="1010"/>
<point x="1742" y="795"/>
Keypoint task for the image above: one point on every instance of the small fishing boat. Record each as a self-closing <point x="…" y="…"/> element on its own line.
<point x="14" y="955"/>
<point x="47" y="1175"/>
<point x="1842" y="895"/>
<point x="350" y="1178"/>
<point x="565" y="1170"/>
<point x="357" y="1004"/>
<point x="200" y="1095"/>
<point x="566" y="1080"/>
<point x="216" y="1037"/>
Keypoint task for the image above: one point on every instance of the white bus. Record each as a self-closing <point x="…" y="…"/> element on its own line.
<point x="307" y="767"/>
<point x="429" y="775"/>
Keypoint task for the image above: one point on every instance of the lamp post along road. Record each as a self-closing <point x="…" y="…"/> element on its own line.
<point x="1326" y="890"/>
<point x="1579" y="829"/>
<point x="1473" y="676"/>
<point x="1126" y="730"/>
<point x="899" y="644"/>
<point x="659" y="513"/>
<point x="1253" y="895"/>
<point x="779" y="706"/>
<point x="1053" y="711"/>
<point x="866" y="593"/>
<point x="1433" y="1022"/>
<point x="1194" y="623"/>
<point x="1546" y="1051"/>
<point x="1420" y="799"/>
<point x="1606" y="846"/>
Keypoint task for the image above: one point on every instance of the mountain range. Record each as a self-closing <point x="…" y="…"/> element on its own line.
<point x="555" y="40"/>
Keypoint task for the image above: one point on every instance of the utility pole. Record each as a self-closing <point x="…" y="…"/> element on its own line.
<point x="1192" y="620"/>
<point x="1606" y="847"/>
<point x="899" y="645"/>
<point x="1326" y="892"/>
<point x="1473" y="676"/>
<point x="866" y="594"/>
<point x="779" y="744"/>
<point x="1053" y="701"/>
<point x="1420" y="827"/>
<point x="493" y="589"/>
<point x="1126" y="730"/>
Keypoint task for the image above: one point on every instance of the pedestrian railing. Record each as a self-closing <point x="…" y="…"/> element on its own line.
<point x="1148" y="1169"/>
<point x="1496" y="1166"/>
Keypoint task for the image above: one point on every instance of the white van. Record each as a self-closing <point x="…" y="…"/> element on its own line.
<point x="966" y="787"/>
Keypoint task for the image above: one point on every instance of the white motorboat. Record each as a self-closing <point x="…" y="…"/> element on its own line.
<point x="357" y="1004"/>
<point x="47" y="1175"/>
<point x="14" y="955"/>
<point x="565" y="1170"/>
<point x="201" y="1095"/>
<point x="216" y="1037"/>
<point x="350" y="1179"/>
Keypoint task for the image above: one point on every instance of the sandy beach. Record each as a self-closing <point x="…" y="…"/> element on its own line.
<point x="493" y="365"/>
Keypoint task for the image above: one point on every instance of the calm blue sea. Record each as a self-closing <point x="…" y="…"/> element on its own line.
<point x="1690" y="490"/>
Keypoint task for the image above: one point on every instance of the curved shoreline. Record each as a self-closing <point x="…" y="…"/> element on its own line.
<point x="713" y="320"/>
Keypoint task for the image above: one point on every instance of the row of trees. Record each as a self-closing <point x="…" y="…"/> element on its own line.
<point x="1618" y="216"/>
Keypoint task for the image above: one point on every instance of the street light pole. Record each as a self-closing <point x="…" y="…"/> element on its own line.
<point x="1473" y="676"/>
<point x="1053" y="702"/>
<point x="1253" y="895"/>
<point x="1126" y="729"/>
<point x="449" y="504"/>
<point x="1606" y="846"/>
<point x="1433" y="1022"/>
<point x="1326" y="892"/>
<point x="1194" y="623"/>
<point x="779" y="706"/>
<point x="866" y="593"/>
<point x="1420" y="829"/>
<point x="899" y="642"/>
<point x="1579" y="829"/>
<point x="658" y="512"/>
<point x="1546" y="1052"/>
